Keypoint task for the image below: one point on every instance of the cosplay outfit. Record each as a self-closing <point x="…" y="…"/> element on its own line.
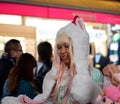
<point x="82" y="90"/>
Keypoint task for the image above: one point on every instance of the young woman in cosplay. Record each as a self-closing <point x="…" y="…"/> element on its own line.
<point x="68" y="82"/>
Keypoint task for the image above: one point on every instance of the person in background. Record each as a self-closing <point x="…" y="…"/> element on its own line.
<point x="100" y="61"/>
<point x="44" y="63"/>
<point x="12" y="51"/>
<point x="95" y="73"/>
<point x="68" y="82"/>
<point x="20" y="79"/>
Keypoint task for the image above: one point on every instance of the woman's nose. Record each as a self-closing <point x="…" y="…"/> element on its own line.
<point x="63" y="49"/>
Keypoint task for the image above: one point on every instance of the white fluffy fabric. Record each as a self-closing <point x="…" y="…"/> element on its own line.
<point x="10" y="100"/>
<point x="83" y="89"/>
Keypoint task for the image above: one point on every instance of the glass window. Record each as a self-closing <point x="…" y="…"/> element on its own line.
<point x="10" y="19"/>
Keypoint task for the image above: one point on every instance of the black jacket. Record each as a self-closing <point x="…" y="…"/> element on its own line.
<point x="103" y="61"/>
<point x="39" y="77"/>
<point x="6" y="63"/>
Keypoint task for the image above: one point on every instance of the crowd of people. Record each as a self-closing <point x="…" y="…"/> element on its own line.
<point x="63" y="77"/>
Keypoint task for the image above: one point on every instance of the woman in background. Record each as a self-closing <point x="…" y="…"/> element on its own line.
<point x="20" y="79"/>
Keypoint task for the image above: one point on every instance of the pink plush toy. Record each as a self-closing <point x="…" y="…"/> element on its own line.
<point x="109" y="95"/>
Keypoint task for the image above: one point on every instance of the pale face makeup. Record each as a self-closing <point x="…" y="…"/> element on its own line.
<point x="63" y="45"/>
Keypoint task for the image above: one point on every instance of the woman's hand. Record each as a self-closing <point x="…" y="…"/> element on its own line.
<point x="116" y="79"/>
<point x="110" y="70"/>
<point x="24" y="99"/>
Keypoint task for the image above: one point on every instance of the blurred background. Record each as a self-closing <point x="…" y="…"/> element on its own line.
<point x="33" y="21"/>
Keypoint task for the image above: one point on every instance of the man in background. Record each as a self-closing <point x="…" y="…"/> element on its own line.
<point x="12" y="51"/>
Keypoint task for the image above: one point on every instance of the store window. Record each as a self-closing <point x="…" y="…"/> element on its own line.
<point x="46" y="29"/>
<point x="10" y="19"/>
<point x="11" y="27"/>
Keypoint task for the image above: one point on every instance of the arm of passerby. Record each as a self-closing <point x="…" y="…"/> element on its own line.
<point x="109" y="70"/>
<point x="116" y="79"/>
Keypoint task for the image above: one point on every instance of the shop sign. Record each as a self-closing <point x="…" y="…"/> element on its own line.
<point x="57" y="13"/>
<point x="97" y="35"/>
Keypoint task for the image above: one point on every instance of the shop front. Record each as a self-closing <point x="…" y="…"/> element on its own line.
<point x="52" y="18"/>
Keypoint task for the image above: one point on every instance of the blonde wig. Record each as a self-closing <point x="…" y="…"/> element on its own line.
<point x="61" y="67"/>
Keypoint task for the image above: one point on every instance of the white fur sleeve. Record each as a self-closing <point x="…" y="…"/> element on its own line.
<point x="10" y="100"/>
<point x="48" y="84"/>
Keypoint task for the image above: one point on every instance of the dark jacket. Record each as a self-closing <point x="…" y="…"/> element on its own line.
<point x="6" y="63"/>
<point x="39" y="76"/>
<point x="102" y="62"/>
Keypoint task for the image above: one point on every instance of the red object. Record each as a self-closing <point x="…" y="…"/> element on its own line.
<point x="75" y="19"/>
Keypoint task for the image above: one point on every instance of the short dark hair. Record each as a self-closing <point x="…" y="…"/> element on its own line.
<point x="44" y="51"/>
<point x="11" y="44"/>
